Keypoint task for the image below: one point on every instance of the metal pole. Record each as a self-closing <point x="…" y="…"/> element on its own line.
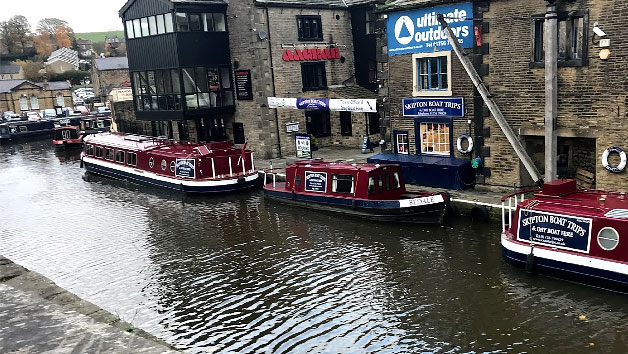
<point x="550" y="39"/>
<point x="492" y="106"/>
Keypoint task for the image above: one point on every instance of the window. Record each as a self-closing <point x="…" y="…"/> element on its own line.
<point x="161" y="25"/>
<point x="380" y="182"/>
<point x="572" y="39"/>
<point x="608" y="238"/>
<point x="152" y="25"/>
<point x="387" y="178"/>
<point x="195" y="22"/>
<point x="309" y="28"/>
<point x="169" y="24"/>
<point x="371" y="187"/>
<point x="23" y="103"/>
<point x="342" y="184"/>
<point x="108" y="154"/>
<point x="396" y="180"/>
<point x="345" y="124"/>
<point x="208" y="87"/>
<point x="144" y="25"/>
<point x="129" y="30"/>
<point x="119" y="156"/>
<point x="432" y="74"/>
<point x="157" y="90"/>
<point x="89" y="150"/>
<point x="370" y="22"/>
<point x="99" y="151"/>
<point x="182" y="22"/>
<point x="132" y="159"/>
<point x="219" y="22"/>
<point x="313" y="76"/>
<point x="208" y="23"/>
<point x="35" y="101"/>
<point x="318" y="123"/>
<point x="402" y="143"/>
<point x="373" y="123"/>
<point x="60" y="100"/>
<point x="372" y="72"/>
<point x="297" y="180"/>
<point x="137" y="28"/>
<point x="435" y="138"/>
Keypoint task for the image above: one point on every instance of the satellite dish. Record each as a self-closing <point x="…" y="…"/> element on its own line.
<point x="262" y="35"/>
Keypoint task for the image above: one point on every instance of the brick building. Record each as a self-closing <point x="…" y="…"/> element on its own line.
<point x="505" y="48"/>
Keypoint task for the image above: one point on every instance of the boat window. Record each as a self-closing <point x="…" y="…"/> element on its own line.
<point x="297" y="180"/>
<point x="172" y="166"/>
<point x="371" y="185"/>
<point x="98" y="151"/>
<point x="89" y="150"/>
<point x="119" y="156"/>
<point x="342" y="183"/>
<point x="396" y="181"/>
<point x="608" y="238"/>
<point x="387" y="176"/>
<point x="380" y="181"/>
<point x="164" y="164"/>
<point x="131" y="159"/>
<point x="151" y="162"/>
<point x="108" y="154"/>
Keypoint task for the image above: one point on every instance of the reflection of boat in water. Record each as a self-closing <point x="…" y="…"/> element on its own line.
<point x="67" y="138"/>
<point x="186" y="167"/>
<point x="566" y="232"/>
<point x="375" y="192"/>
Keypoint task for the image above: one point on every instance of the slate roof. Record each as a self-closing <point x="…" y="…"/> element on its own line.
<point x="66" y="55"/>
<point x="7" y="86"/>
<point x="209" y="2"/>
<point x="115" y="63"/>
<point x="395" y="5"/>
<point x="9" y="69"/>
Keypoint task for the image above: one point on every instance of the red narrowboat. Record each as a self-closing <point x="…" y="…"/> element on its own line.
<point x="67" y="138"/>
<point x="182" y="166"/>
<point x="372" y="191"/>
<point x="567" y="232"/>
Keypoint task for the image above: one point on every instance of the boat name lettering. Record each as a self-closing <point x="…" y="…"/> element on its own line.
<point x="434" y="199"/>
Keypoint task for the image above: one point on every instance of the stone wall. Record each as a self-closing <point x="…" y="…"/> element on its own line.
<point x="102" y="79"/>
<point x="123" y="114"/>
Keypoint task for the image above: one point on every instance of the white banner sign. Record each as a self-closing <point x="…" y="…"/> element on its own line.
<point x="278" y="102"/>
<point x="340" y="105"/>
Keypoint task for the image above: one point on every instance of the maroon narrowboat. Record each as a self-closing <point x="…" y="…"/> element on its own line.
<point x="372" y="191"/>
<point x="182" y="166"/>
<point x="67" y="137"/>
<point x="567" y="232"/>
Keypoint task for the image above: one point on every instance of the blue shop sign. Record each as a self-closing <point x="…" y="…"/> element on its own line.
<point x="316" y="181"/>
<point x="185" y="168"/>
<point x="418" y="31"/>
<point x="555" y="230"/>
<point x="315" y="104"/>
<point x="433" y="107"/>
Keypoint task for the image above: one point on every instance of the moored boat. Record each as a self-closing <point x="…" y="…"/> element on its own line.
<point x="25" y="129"/>
<point x="182" y="166"/>
<point x="67" y="138"/>
<point x="571" y="233"/>
<point x="371" y="191"/>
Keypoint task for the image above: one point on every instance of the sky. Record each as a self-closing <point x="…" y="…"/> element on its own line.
<point x="82" y="15"/>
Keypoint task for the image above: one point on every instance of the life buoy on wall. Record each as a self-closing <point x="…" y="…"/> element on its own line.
<point x="622" y="163"/>
<point x="469" y="139"/>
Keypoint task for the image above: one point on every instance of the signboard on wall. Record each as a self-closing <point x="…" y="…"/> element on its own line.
<point x="560" y="231"/>
<point x="325" y="104"/>
<point x="418" y="31"/>
<point x="433" y="107"/>
<point x="185" y="168"/>
<point x="292" y="127"/>
<point x="313" y="104"/>
<point x="304" y="147"/>
<point x="311" y="54"/>
<point x="353" y="105"/>
<point x="244" y="85"/>
<point x="315" y="181"/>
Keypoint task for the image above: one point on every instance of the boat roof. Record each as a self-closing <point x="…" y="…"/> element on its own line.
<point x="340" y="166"/>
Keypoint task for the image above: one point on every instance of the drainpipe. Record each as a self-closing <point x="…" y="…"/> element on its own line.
<point x="272" y="74"/>
<point x="551" y="90"/>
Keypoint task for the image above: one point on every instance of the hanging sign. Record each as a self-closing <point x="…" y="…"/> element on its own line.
<point x="278" y="102"/>
<point x="292" y="127"/>
<point x="244" y="85"/>
<point x="316" y="181"/>
<point x="433" y="107"/>
<point x="560" y="231"/>
<point x="418" y="31"/>
<point x="304" y="147"/>
<point x="353" y="105"/>
<point x="313" y="104"/>
<point x="311" y="54"/>
<point x="185" y="168"/>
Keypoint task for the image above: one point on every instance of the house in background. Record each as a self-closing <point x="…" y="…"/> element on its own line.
<point x="85" y="48"/>
<point x="62" y="60"/>
<point x="22" y="96"/>
<point x="107" y="72"/>
<point x="115" y="47"/>
<point x="11" y="72"/>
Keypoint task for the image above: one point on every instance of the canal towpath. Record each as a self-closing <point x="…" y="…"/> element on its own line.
<point x="37" y="316"/>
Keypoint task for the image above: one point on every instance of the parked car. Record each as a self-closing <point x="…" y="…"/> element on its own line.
<point x="82" y="109"/>
<point x="48" y="113"/>
<point x="33" y="116"/>
<point x="10" y="116"/>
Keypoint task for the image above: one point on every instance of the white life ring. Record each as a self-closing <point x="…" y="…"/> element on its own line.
<point x="469" y="140"/>
<point x="622" y="155"/>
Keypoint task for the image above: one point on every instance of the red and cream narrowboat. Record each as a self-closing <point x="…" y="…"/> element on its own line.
<point x="187" y="167"/>
<point x="67" y="137"/>
<point x="372" y="191"/>
<point x="580" y="235"/>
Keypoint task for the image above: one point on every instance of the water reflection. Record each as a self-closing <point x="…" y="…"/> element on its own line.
<point x="239" y="273"/>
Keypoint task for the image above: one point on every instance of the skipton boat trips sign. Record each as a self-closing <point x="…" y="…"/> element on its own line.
<point x="418" y="31"/>
<point x="433" y="107"/>
<point x="316" y="181"/>
<point x="555" y="230"/>
<point x="185" y="168"/>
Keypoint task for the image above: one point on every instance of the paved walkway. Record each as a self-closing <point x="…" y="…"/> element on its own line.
<point x="37" y="316"/>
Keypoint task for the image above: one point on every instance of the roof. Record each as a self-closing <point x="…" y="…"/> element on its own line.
<point x="208" y="2"/>
<point x="83" y="41"/>
<point x="66" y="55"/>
<point x="9" y="69"/>
<point x="7" y="86"/>
<point x="304" y="3"/>
<point x="113" y="63"/>
<point x="57" y="85"/>
<point x="395" y="5"/>
<point x="341" y="166"/>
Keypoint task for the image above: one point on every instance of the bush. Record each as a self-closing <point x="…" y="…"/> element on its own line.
<point x="74" y="76"/>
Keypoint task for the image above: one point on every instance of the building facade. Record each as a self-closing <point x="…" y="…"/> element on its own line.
<point x="21" y="96"/>
<point x="107" y="72"/>
<point x="62" y="60"/>
<point x="85" y="48"/>
<point x="11" y="72"/>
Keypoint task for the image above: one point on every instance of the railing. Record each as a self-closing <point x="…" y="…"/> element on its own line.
<point x="272" y="173"/>
<point x="513" y="200"/>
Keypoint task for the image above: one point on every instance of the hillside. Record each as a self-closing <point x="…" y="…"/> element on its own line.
<point x="97" y="37"/>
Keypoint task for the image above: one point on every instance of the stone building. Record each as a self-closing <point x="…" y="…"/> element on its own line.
<point x="11" y="72"/>
<point x="22" y="96"/>
<point x="62" y="60"/>
<point x="85" y="48"/>
<point x="106" y="72"/>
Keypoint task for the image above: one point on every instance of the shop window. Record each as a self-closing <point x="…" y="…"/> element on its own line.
<point x="370" y="22"/>
<point x="182" y="22"/>
<point x="435" y="138"/>
<point x="432" y="74"/>
<point x="402" y="142"/>
<point x="309" y="28"/>
<point x="313" y="76"/>
<point x="371" y="186"/>
<point x="346" y="128"/>
<point x="572" y="39"/>
<point x="119" y="156"/>
<point x="132" y="159"/>
<point x="318" y="123"/>
<point x="342" y="184"/>
<point x="373" y="123"/>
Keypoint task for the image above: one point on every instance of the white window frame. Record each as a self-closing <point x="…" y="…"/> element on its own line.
<point x="34" y="101"/>
<point x="60" y="99"/>
<point x="23" y="103"/>
<point x="415" y="75"/>
<point x="436" y="144"/>
<point x="406" y="143"/>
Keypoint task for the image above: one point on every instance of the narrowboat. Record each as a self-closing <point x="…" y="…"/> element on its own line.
<point x="563" y="231"/>
<point x="371" y="191"/>
<point x="94" y="125"/>
<point x="181" y="166"/>
<point x="67" y="137"/>
<point x="31" y="129"/>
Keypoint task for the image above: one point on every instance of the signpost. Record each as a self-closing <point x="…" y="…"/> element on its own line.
<point x="304" y="146"/>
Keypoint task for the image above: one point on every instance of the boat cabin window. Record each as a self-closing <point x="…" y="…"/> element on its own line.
<point x="99" y="151"/>
<point x="119" y="156"/>
<point x="172" y="166"/>
<point x="131" y="159"/>
<point x="371" y="185"/>
<point x="109" y="154"/>
<point x="380" y="181"/>
<point x="297" y="180"/>
<point x="387" y="176"/>
<point x="396" y="181"/>
<point x="342" y="183"/>
<point x="89" y="150"/>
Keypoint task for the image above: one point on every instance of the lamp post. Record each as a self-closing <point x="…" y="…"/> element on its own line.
<point x="550" y="39"/>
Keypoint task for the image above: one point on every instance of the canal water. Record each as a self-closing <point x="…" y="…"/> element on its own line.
<point x="241" y="274"/>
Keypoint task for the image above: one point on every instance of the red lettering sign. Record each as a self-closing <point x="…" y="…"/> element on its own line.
<point x="311" y="54"/>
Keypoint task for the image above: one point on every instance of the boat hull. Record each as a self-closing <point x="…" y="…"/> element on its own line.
<point x="186" y="186"/>
<point x="374" y="210"/>
<point x="567" y="265"/>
